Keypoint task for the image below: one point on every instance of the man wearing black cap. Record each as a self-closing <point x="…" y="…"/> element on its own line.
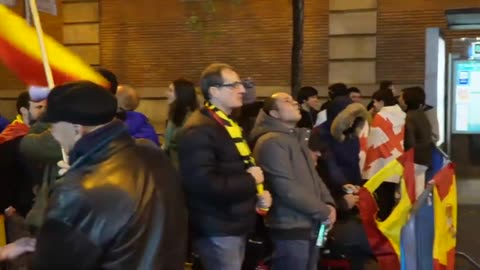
<point x="119" y="206"/>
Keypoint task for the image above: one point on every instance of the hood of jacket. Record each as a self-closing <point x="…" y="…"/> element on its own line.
<point x="265" y="123"/>
<point x="346" y="118"/>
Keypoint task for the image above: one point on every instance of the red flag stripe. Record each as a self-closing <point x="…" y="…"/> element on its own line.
<point x="407" y="160"/>
<point x="30" y="71"/>
<point x="444" y="180"/>
<point x="380" y="245"/>
<point x="451" y="259"/>
<point x="13" y="131"/>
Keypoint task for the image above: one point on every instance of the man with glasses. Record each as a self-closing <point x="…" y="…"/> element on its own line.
<point x="219" y="173"/>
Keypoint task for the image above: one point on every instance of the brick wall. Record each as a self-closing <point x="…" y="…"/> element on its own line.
<point x="401" y="36"/>
<point x="149" y="44"/>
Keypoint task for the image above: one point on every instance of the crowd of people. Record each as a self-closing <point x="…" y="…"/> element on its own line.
<point x="86" y="183"/>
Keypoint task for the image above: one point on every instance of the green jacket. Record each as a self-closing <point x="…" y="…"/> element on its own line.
<point x="43" y="152"/>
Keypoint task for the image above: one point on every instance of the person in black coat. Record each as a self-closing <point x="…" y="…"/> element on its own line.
<point x="118" y="205"/>
<point x="337" y="145"/>
<point x="17" y="184"/>
<point x="335" y="90"/>
<point x="220" y="187"/>
<point x="309" y="106"/>
<point x="418" y="130"/>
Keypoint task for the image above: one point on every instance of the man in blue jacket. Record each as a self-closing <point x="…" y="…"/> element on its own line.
<point x="3" y="123"/>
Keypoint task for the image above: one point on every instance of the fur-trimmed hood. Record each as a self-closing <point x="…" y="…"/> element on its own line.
<point x="346" y="118"/>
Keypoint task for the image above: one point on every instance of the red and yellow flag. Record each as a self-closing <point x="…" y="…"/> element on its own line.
<point x="20" y="52"/>
<point x="384" y="236"/>
<point x="445" y="218"/>
<point x="14" y="130"/>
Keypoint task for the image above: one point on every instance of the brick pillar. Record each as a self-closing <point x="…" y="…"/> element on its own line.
<point x="81" y="21"/>
<point x="352" y="43"/>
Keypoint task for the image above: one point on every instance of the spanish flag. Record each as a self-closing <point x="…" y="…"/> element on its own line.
<point x="20" y="52"/>
<point x="14" y="130"/>
<point x="445" y="218"/>
<point x="384" y="236"/>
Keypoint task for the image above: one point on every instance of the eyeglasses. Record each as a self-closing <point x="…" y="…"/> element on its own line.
<point x="233" y="85"/>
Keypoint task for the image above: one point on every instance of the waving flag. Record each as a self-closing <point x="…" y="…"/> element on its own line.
<point x="384" y="236"/>
<point x="418" y="234"/>
<point x="20" y="52"/>
<point x="445" y="218"/>
<point x="16" y="129"/>
<point x="385" y="141"/>
<point x="363" y="139"/>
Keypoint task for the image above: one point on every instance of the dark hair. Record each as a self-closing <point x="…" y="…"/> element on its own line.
<point x="110" y="77"/>
<point x="414" y="97"/>
<point x="23" y="101"/>
<point x="354" y="89"/>
<point x="385" y="95"/>
<point x="338" y="90"/>
<point x="185" y="101"/>
<point x="386" y="85"/>
<point x="212" y="76"/>
<point x="305" y="93"/>
<point x="270" y="104"/>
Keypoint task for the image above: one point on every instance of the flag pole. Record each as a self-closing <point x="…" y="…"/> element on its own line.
<point x="46" y="65"/>
<point x="38" y="27"/>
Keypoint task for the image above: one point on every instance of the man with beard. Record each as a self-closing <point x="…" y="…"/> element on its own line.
<point x="16" y="185"/>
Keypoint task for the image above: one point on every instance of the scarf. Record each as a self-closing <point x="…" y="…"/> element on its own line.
<point x="236" y="134"/>
<point x="16" y="129"/>
<point x="94" y="142"/>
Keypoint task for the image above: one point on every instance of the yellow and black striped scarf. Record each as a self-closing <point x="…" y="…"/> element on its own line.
<point x="235" y="132"/>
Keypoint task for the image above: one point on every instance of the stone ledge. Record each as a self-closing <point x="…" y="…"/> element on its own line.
<point x="340" y="5"/>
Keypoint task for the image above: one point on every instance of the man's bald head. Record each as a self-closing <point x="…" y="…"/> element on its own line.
<point x="127" y="97"/>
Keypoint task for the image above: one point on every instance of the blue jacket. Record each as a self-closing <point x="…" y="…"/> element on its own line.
<point x="3" y="123"/>
<point x="139" y="127"/>
<point x="339" y="161"/>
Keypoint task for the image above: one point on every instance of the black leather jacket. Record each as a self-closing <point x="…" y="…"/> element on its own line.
<point x="120" y="206"/>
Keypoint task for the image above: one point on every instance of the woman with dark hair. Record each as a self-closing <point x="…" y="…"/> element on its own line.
<point x="182" y="100"/>
<point x="385" y="143"/>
